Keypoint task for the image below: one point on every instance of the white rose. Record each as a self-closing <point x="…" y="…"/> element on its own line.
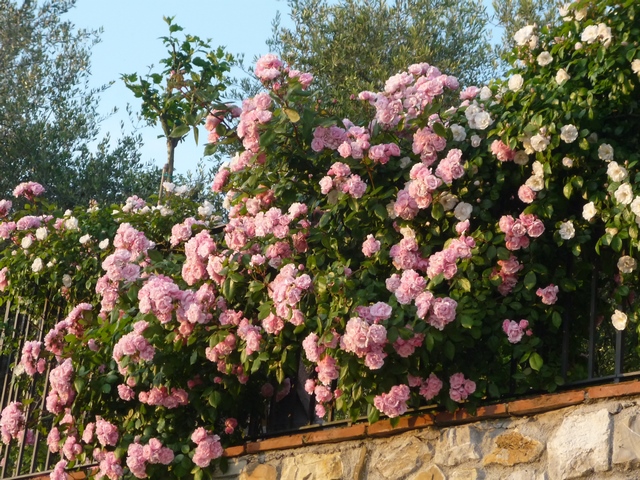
<point x="590" y="34"/>
<point x="408" y="232"/>
<point x="181" y="190"/>
<point x="578" y="46"/>
<point x="405" y="162"/>
<point x="521" y="158"/>
<point x="563" y="10"/>
<point x="635" y="66"/>
<point x="482" y="120"/>
<point x="67" y="213"/>
<point x="168" y="186"/>
<point x="567" y="230"/>
<point x="485" y="93"/>
<point x="635" y="206"/>
<point x="567" y="162"/>
<point x="85" y="238"/>
<point x="627" y="264"/>
<point x="37" y="265"/>
<point x="537" y="168"/>
<point x="569" y="133"/>
<point x="206" y="210"/>
<point x="619" y="320"/>
<point x="103" y="244"/>
<point x="544" y="59"/>
<point x="459" y="133"/>
<point x="604" y="33"/>
<point x="581" y="14"/>
<point x="535" y="183"/>
<point x="605" y="152"/>
<point x="26" y="242"/>
<point x="391" y="211"/>
<point x="533" y="42"/>
<point x="66" y="280"/>
<point x="589" y="211"/>
<point x="475" y="141"/>
<point x="562" y="76"/>
<point x="71" y="223"/>
<point x="166" y="211"/>
<point x="523" y="35"/>
<point x="624" y="194"/>
<point x="448" y="201"/>
<point x="516" y="82"/>
<point x="463" y="211"/>
<point x="41" y="233"/>
<point x="539" y="142"/>
<point x="616" y="172"/>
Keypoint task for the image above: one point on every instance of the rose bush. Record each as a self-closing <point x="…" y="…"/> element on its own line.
<point x="428" y="254"/>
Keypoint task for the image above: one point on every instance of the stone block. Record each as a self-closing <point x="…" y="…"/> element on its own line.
<point x="457" y="445"/>
<point x="580" y="445"/>
<point x="397" y="457"/>
<point x="626" y="439"/>
<point x="512" y="448"/>
<point x="464" y="474"/>
<point x="313" y="467"/>
<point x="260" y="472"/>
<point x="431" y="473"/>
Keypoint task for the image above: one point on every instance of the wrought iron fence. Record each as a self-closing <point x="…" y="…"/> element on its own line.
<point x="589" y="354"/>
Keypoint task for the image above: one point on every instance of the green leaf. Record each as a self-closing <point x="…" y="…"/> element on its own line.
<point x="439" y="129"/>
<point x="536" y="361"/>
<point x="179" y="131"/>
<point x="292" y="115"/>
<point x="530" y="280"/>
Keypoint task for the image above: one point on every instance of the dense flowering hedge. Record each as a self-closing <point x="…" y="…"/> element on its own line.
<point x="428" y="254"/>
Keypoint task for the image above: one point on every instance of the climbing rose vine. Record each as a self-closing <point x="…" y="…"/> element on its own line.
<point x="427" y="254"/>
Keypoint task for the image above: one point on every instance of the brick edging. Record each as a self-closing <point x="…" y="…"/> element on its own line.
<point x="521" y="407"/>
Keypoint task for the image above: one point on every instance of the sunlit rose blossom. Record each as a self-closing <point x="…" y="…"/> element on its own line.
<point x="624" y="194"/>
<point x="544" y="59"/>
<point x="549" y="294"/>
<point x="515" y="82"/>
<point x="567" y="230"/>
<point x="5" y="206"/>
<point x="12" y="422"/>
<point x="431" y="387"/>
<point x="589" y="211"/>
<point x="460" y="388"/>
<point x="370" y="246"/>
<point x="569" y="133"/>
<point x="28" y="190"/>
<point x="562" y="76"/>
<point x="605" y="152"/>
<point x="526" y="194"/>
<point x="393" y="403"/>
<point x="619" y="320"/>
<point x="627" y="264"/>
<point x="37" y="265"/>
<point x="616" y="172"/>
<point x="523" y="35"/>
<point x="539" y="142"/>
<point x="4" y="279"/>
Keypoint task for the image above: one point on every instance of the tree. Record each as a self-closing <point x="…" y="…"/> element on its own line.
<point x="194" y="77"/>
<point x="355" y="45"/>
<point x="512" y="15"/>
<point x="48" y="114"/>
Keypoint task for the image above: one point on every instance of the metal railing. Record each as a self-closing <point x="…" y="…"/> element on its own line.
<point x="587" y="354"/>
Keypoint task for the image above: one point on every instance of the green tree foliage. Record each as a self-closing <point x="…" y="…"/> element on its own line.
<point x="48" y="114"/>
<point x="188" y="88"/>
<point x="512" y="15"/>
<point x="355" y="45"/>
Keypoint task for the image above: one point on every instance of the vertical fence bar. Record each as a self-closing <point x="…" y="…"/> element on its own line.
<point x="592" y="324"/>
<point x="619" y="356"/>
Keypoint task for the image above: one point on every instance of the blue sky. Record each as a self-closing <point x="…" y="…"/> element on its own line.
<point x="130" y="44"/>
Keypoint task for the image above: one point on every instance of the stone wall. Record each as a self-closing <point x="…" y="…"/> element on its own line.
<point x="592" y="433"/>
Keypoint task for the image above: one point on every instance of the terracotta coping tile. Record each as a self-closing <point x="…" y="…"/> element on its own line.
<point x="462" y="416"/>
<point x="614" y="390"/>
<point x="339" y="434"/>
<point x="383" y="427"/>
<point x="276" y="443"/>
<point x="234" y="451"/>
<point x="544" y="403"/>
